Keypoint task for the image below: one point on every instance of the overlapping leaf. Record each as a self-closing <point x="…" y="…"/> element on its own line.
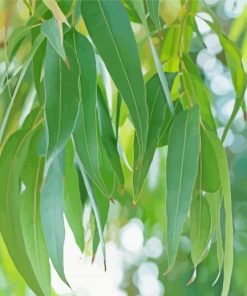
<point x="182" y="165"/>
<point x="61" y="98"/>
<point x="52" y="213"/>
<point x="110" y="30"/>
<point x="86" y="134"/>
<point x="12" y="159"/>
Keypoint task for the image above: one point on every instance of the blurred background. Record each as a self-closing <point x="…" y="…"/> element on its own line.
<point x="135" y="237"/>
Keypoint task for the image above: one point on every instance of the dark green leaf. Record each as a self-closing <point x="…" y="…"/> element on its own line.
<point x="107" y="136"/>
<point x="86" y="134"/>
<point x="110" y="30"/>
<point x="61" y="97"/>
<point x="156" y="105"/>
<point x="153" y="8"/>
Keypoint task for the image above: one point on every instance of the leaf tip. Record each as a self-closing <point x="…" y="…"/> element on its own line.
<point x="192" y="279"/>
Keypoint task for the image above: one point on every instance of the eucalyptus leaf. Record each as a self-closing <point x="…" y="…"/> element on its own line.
<point x="182" y="165"/>
<point x="110" y="30"/>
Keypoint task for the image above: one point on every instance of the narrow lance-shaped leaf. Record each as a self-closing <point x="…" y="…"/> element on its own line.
<point x="61" y="98"/>
<point x="73" y="207"/>
<point x="35" y="244"/>
<point x="214" y="201"/>
<point x="86" y="134"/>
<point x="196" y="91"/>
<point x="52" y="213"/>
<point x="234" y="62"/>
<point x="182" y="165"/>
<point x="156" y="106"/>
<point x="103" y="209"/>
<point x="210" y="171"/>
<point x="139" y="7"/>
<point x="96" y="211"/>
<point x="226" y="192"/>
<point x="110" y="30"/>
<point x="200" y="225"/>
<point x="107" y="136"/>
<point x="12" y="160"/>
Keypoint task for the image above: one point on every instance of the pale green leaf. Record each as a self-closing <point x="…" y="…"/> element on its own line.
<point x="12" y="160"/>
<point x="73" y="207"/>
<point x="30" y="216"/>
<point x="51" y="30"/>
<point x="182" y="165"/>
<point x="52" y="213"/>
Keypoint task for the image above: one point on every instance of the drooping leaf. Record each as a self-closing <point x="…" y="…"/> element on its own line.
<point x="107" y="136"/>
<point x="153" y="8"/>
<point x="61" y="98"/>
<point x="214" y="201"/>
<point x="235" y="64"/>
<point x="52" y="213"/>
<point x="73" y="207"/>
<point x="30" y="216"/>
<point x="182" y="165"/>
<point x="12" y="159"/>
<point x="226" y="192"/>
<point x="96" y="211"/>
<point x="210" y="171"/>
<point x="86" y="133"/>
<point x="103" y="209"/>
<point x="196" y="91"/>
<point x="110" y="30"/>
<point x="156" y="105"/>
<point x="51" y="30"/>
<point x="200" y="223"/>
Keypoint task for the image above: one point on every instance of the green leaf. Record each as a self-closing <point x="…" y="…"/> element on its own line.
<point x="200" y="224"/>
<point x="86" y="134"/>
<point x="96" y="211"/>
<point x="73" y="207"/>
<point x="234" y="62"/>
<point x="182" y="165"/>
<point x="214" y="201"/>
<point x="30" y="216"/>
<point x="5" y="122"/>
<point x="167" y="123"/>
<point x="107" y="136"/>
<point x="12" y="160"/>
<point x="156" y="105"/>
<point x="37" y="66"/>
<point x="110" y="30"/>
<point x="153" y="8"/>
<point x="50" y="29"/>
<point x="210" y="171"/>
<point x="61" y="98"/>
<point x="226" y="192"/>
<point x="52" y="213"/>
<point x="103" y="209"/>
<point x="196" y="91"/>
